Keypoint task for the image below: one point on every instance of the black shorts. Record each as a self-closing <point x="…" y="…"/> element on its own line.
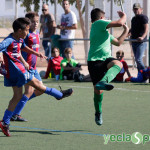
<point x="97" y="69"/>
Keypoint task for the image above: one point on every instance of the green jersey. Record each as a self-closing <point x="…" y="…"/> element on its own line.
<point x="64" y="62"/>
<point x="100" y="41"/>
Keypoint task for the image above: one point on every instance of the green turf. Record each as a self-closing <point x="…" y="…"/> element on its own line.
<point x="69" y="124"/>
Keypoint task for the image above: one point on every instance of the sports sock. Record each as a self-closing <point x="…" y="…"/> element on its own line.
<point x="7" y="116"/>
<point x="32" y="96"/>
<point x="111" y="73"/>
<point x="53" y="92"/>
<point x="20" y="105"/>
<point x="98" y="102"/>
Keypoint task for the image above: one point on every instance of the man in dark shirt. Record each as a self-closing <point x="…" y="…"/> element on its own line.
<point x="139" y="30"/>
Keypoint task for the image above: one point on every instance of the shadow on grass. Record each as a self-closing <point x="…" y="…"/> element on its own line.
<point x="27" y="131"/>
<point x="52" y="132"/>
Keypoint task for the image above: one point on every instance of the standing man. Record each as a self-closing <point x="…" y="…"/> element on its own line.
<point x="67" y="27"/>
<point x="48" y="28"/>
<point x="139" y="30"/>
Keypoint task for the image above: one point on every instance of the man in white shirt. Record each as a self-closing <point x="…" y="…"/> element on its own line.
<point x="67" y="27"/>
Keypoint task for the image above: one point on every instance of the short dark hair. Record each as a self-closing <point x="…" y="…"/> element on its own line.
<point x="120" y="53"/>
<point x="31" y="15"/>
<point x="20" y="23"/>
<point x="52" y="51"/>
<point x="96" y="14"/>
<point x="66" y="0"/>
<point x="67" y="50"/>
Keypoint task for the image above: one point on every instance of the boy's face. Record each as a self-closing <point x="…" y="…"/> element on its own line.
<point x="68" y="55"/>
<point x="55" y="52"/>
<point x="34" y="23"/>
<point x="23" y="33"/>
<point x="66" y="5"/>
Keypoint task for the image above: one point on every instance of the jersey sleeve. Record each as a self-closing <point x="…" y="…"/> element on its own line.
<point x="4" y="44"/>
<point x="63" y="62"/>
<point x="23" y="44"/>
<point x="145" y="20"/>
<point x="111" y="37"/>
<point x="74" y="62"/>
<point x="74" y="18"/>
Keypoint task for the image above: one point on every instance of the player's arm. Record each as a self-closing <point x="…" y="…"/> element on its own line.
<point x="4" y="44"/>
<point x="146" y="28"/>
<point x="118" y="23"/>
<point x="118" y="41"/>
<point x="29" y="50"/>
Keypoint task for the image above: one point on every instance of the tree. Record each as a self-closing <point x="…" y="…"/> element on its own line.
<point x="117" y="1"/>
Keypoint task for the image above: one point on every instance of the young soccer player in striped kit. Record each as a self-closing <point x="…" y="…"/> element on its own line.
<point x="32" y="40"/>
<point x="18" y="73"/>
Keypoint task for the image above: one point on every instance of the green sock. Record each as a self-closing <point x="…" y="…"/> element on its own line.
<point x="111" y="73"/>
<point x="98" y="102"/>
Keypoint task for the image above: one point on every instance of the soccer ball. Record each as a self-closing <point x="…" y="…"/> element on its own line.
<point x="42" y="74"/>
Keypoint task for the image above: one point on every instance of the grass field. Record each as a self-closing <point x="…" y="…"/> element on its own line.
<point x="69" y="124"/>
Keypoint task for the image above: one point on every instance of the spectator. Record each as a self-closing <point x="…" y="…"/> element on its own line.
<point x="67" y="27"/>
<point x="69" y="66"/>
<point x="139" y="30"/>
<point x="143" y="75"/>
<point x="120" y="56"/>
<point x="47" y="28"/>
<point x="54" y="63"/>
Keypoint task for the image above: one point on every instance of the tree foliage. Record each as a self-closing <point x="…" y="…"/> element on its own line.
<point x="36" y="3"/>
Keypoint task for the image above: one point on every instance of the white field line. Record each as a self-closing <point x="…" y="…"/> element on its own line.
<point x="120" y="89"/>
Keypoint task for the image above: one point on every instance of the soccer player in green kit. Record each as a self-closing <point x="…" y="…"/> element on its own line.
<point x="102" y="67"/>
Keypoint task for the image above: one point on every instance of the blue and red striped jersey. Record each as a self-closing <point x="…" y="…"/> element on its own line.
<point x="11" y="54"/>
<point x="32" y="41"/>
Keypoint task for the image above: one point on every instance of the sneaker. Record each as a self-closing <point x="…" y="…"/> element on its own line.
<point x="66" y="93"/>
<point x="5" y="128"/>
<point x="103" y="85"/>
<point x="98" y="118"/>
<point x="17" y="118"/>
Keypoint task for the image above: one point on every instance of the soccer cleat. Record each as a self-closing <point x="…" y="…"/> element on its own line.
<point x="66" y="93"/>
<point x="103" y="85"/>
<point x="98" y="118"/>
<point x="17" y="118"/>
<point x="5" y="128"/>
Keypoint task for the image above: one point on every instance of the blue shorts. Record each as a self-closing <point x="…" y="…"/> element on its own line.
<point x="18" y="79"/>
<point x="36" y="75"/>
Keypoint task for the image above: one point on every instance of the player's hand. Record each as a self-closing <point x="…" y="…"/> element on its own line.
<point x="140" y="39"/>
<point x="60" y="27"/>
<point x="26" y="65"/>
<point x="42" y="56"/>
<point x="121" y="14"/>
